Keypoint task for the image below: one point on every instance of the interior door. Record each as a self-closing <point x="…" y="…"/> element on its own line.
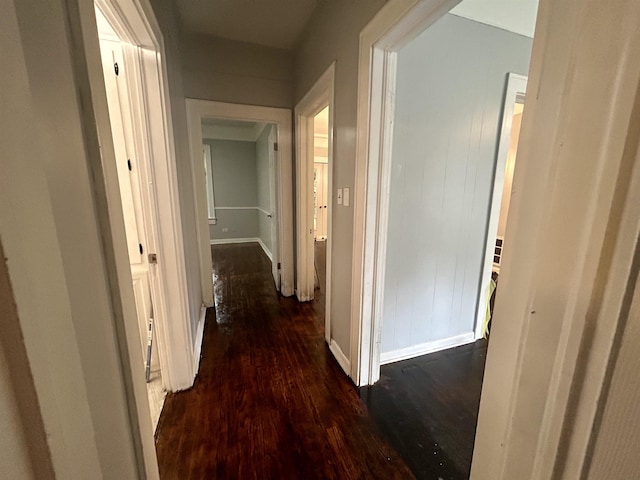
<point x="273" y="165"/>
<point x="130" y="186"/>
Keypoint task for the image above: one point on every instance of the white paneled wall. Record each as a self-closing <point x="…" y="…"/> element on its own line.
<point x="450" y="88"/>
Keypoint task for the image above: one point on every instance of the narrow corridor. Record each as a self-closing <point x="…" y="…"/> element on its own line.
<point x="270" y="402"/>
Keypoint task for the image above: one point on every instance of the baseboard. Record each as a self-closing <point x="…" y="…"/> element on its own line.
<point x="339" y="355"/>
<point x="222" y="241"/>
<point x="198" y="341"/>
<point x="266" y="250"/>
<point x="428" y="347"/>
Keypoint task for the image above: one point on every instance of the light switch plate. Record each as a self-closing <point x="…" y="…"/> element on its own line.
<point x="339" y="196"/>
<point x="345" y="196"/>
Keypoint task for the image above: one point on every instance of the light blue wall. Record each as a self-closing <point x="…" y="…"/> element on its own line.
<point x="233" y="165"/>
<point x="263" y="174"/>
<point x="450" y="86"/>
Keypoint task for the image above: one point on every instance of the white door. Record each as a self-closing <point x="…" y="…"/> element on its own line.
<point x="275" y="264"/>
<point x="320" y="188"/>
<point x="130" y="186"/>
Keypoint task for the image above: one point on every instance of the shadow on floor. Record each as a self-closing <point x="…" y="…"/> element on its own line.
<point x="427" y="409"/>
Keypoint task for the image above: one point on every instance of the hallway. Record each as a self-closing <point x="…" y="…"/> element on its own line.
<point x="270" y="401"/>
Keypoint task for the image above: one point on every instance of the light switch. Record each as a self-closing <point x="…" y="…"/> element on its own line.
<point x="345" y="196"/>
<point x="339" y="196"/>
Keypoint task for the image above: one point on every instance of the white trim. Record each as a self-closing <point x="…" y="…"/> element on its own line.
<point x="281" y="117"/>
<point x="199" y="339"/>
<point x="316" y="99"/>
<point x="223" y="241"/>
<point x="265" y="249"/>
<point x="208" y="171"/>
<point x="393" y="26"/>
<point x="339" y="355"/>
<point x="143" y="51"/>
<point x="244" y="208"/>
<point x="427" y="347"/>
<point x="153" y="128"/>
<point x="516" y="84"/>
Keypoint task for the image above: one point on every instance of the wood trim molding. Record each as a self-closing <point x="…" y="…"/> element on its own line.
<point x="427" y="347"/>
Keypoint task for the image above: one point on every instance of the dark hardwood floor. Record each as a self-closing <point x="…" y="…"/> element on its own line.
<point x="427" y="409"/>
<point x="269" y="402"/>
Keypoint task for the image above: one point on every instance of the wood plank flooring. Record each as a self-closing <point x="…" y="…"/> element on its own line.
<point x="270" y="402"/>
<point x="427" y="409"/>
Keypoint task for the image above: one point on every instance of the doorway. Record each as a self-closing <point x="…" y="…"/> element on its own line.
<point x="137" y="206"/>
<point x="314" y="208"/>
<point x="274" y="216"/>
<point x="514" y="99"/>
<point x="320" y="207"/>
<point x="239" y="165"/>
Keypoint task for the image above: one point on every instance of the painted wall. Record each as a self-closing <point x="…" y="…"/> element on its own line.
<point x="167" y="15"/>
<point x="235" y="184"/>
<point x="54" y="249"/>
<point x="518" y="16"/>
<point x="332" y="34"/>
<point x="263" y="178"/>
<point x="450" y="87"/>
<point x="24" y="453"/>
<point x="236" y="72"/>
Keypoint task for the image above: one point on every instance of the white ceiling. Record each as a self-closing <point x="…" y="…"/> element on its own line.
<point x="273" y="23"/>
<point x="517" y="16"/>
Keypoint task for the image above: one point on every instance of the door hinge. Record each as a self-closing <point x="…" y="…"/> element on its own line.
<point x="129" y="165"/>
<point x="140" y="248"/>
<point x="153" y="258"/>
<point x="275" y="146"/>
<point x="116" y="68"/>
<point x="278" y="265"/>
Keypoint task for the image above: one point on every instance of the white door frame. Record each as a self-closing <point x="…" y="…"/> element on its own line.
<point x="197" y="110"/>
<point x="396" y="24"/>
<point x="572" y="255"/>
<point x="156" y="159"/>
<point x="135" y="23"/>
<point x="516" y="85"/>
<point x="316" y="99"/>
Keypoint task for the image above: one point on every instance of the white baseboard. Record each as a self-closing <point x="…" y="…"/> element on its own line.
<point x="199" y="339"/>
<point x="339" y="355"/>
<point x="428" y="347"/>
<point x="222" y="241"/>
<point x="266" y="250"/>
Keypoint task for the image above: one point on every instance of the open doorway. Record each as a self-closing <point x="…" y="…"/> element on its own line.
<point x="314" y="208"/>
<point x="429" y="179"/>
<point x="320" y="206"/>
<point x="245" y="213"/>
<point x="239" y="166"/>
<point x="138" y="204"/>
<point x="514" y="99"/>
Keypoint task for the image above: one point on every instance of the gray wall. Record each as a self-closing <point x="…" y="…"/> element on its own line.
<point x="450" y="86"/>
<point x="236" y="72"/>
<point x="167" y="15"/>
<point x="234" y="185"/>
<point x="263" y="174"/>
<point x="332" y="34"/>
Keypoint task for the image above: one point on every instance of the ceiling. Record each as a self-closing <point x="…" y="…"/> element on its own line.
<point x="220" y="129"/>
<point x="518" y="16"/>
<point x="273" y="23"/>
